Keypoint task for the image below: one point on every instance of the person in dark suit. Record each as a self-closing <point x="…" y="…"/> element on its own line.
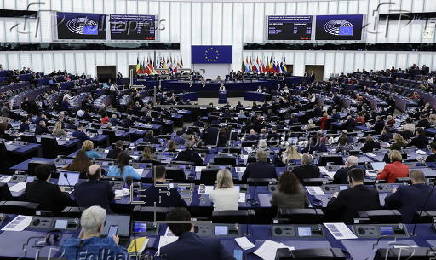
<point x="261" y="168"/>
<point x="5" y="193"/>
<point x="41" y="128"/>
<point x="345" y="205"/>
<point x="341" y="175"/>
<point x="252" y="136"/>
<point x="189" y="155"/>
<point x="432" y="157"/>
<point x="420" y="141"/>
<point x="370" y="145"/>
<point x="25" y="124"/>
<point x="160" y="193"/>
<point x="48" y="195"/>
<point x="94" y="191"/>
<point x="379" y="124"/>
<point x="210" y="137"/>
<point x="190" y="246"/>
<point x="79" y="134"/>
<point x="410" y="199"/>
<point x="307" y="169"/>
<point x="118" y="148"/>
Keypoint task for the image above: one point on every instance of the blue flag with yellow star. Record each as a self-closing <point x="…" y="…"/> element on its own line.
<point x="217" y="54"/>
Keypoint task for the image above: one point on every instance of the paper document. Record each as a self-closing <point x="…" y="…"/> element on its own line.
<point x="240" y="169"/>
<point x="122" y="193"/>
<point x="420" y="152"/>
<point x="199" y="168"/>
<point x="340" y="231"/>
<point x="371" y="154"/>
<point x="244" y="243"/>
<point x="139" y="171"/>
<point x="5" y="179"/>
<point x="314" y="190"/>
<point x="268" y="250"/>
<point x="18" y="187"/>
<point x="19" y="223"/>
<point x="165" y="240"/>
<point x="241" y="197"/>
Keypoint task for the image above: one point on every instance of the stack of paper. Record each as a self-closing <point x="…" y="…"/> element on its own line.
<point x="5" y="179"/>
<point x="138" y="245"/>
<point x="340" y="231"/>
<point x="244" y="243"/>
<point x="241" y="197"/>
<point x="19" y="223"/>
<point x="268" y="250"/>
<point x="122" y="193"/>
<point x="314" y="190"/>
<point x="18" y="187"/>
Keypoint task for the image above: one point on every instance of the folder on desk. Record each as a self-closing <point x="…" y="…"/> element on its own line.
<point x="138" y="245"/>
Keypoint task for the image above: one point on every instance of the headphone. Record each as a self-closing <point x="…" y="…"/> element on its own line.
<point x="53" y="235"/>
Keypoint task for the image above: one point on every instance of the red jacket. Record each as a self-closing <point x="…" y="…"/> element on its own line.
<point x="323" y="123"/>
<point x="393" y="171"/>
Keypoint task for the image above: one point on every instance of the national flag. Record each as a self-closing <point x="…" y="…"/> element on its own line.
<point x="138" y="65"/>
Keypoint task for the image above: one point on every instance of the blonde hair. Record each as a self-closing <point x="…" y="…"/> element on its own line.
<point x="398" y="138"/>
<point x="87" y="145"/>
<point x="291" y="153"/>
<point x="395" y="155"/>
<point x="224" y="179"/>
<point x="57" y="126"/>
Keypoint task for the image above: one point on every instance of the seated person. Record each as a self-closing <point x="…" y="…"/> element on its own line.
<point x="25" y="124"/>
<point x="57" y="129"/>
<point x="94" y="192"/>
<point x="178" y="139"/>
<point x="394" y="170"/>
<point x="90" y="242"/>
<point x="190" y="246"/>
<point x="290" y="192"/>
<point x="48" y="195"/>
<point x="189" y="155"/>
<point x="252" y="136"/>
<point x="420" y="141"/>
<point x="341" y="175"/>
<point x="149" y="138"/>
<point x="432" y="157"/>
<point x="370" y="145"/>
<point x="5" y="193"/>
<point x="345" y="205"/>
<point x="88" y="147"/>
<point x="291" y="153"/>
<point x="307" y="169"/>
<point x="118" y="148"/>
<point x="162" y="196"/>
<point x="123" y="169"/>
<point x="410" y="199"/>
<point x="80" y="164"/>
<point x="399" y="142"/>
<point x="260" y="169"/>
<point x="171" y="146"/>
<point x="80" y="134"/>
<point x="225" y="196"/>
<point x="41" y="128"/>
<point x="148" y="156"/>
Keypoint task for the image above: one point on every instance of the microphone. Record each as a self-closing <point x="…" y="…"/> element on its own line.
<point x="66" y="177"/>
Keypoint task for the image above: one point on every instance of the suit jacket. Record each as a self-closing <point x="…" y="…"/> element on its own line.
<point x="113" y="153"/>
<point x="168" y="197"/>
<point x="419" y="141"/>
<point x="190" y="246"/>
<point x="259" y="170"/>
<point x="409" y="199"/>
<point x="48" y="195"/>
<point x="393" y="171"/>
<point x="431" y="158"/>
<point x="210" y="137"/>
<point x="350" y="201"/>
<point x="92" y="193"/>
<point x="5" y="193"/>
<point x="190" y="155"/>
<point x="80" y="135"/>
<point x="306" y="171"/>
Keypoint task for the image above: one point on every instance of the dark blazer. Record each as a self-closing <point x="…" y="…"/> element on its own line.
<point x="259" y="170"/>
<point x="92" y="192"/>
<point x="306" y="171"/>
<point x="113" y="153"/>
<point x="190" y="155"/>
<point x="210" y="137"/>
<point x="24" y="127"/>
<point x="431" y="158"/>
<point x="39" y="130"/>
<point x="419" y="141"/>
<point x="173" y="199"/>
<point x="349" y="202"/>
<point x="342" y="174"/>
<point x="80" y="135"/>
<point x="190" y="246"/>
<point x="368" y="147"/>
<point x="409" y="199"/>
<point x="5" y="193"/>
<point x="48" y="195"/>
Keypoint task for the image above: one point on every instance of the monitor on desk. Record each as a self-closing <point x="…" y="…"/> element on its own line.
<point x="378" y="166"/>
<point x="68" y="178"/>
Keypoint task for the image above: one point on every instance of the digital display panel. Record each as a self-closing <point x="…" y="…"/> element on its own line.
<point x="80" y="26"/>
<point x="386" y="231"/>
<point x="133" y="27"/>
<point x="221" y="230"/>
<point x="304" y="231"/>
<point x="339" y="27"/>
<point x="289" y="27"/>
<point x="140" y="227"/>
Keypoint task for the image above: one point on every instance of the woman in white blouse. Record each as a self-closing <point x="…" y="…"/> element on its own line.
<point x="225" y="196"/>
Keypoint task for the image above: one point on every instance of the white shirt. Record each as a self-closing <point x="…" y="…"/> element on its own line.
<point x="225" y="199"/>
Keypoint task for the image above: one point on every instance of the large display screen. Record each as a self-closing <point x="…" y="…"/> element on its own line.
<point x="133" y="27"/>
<point x="339" y="27"/>
<point x="289" y="27"/>
<point x="77" y="26"/>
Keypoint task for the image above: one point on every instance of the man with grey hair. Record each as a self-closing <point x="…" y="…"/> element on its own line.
<point x="307" y="169"/>
<point x="91" y="244"/>
<point x="261" y="168"/>
<point x="342" y="174"/>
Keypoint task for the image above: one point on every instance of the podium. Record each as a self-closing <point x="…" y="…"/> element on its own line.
<point x="222" y="97"/>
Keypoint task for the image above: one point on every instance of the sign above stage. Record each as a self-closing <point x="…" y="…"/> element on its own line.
<point x="211" y="54"/>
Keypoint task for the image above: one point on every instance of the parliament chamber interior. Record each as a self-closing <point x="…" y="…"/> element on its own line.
<point x="218" y="129"/>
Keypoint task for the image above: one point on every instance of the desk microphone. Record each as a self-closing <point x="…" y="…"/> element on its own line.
<point x="66" y="177"/>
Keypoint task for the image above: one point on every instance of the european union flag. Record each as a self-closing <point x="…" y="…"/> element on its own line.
<point x="218" y="54"/>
